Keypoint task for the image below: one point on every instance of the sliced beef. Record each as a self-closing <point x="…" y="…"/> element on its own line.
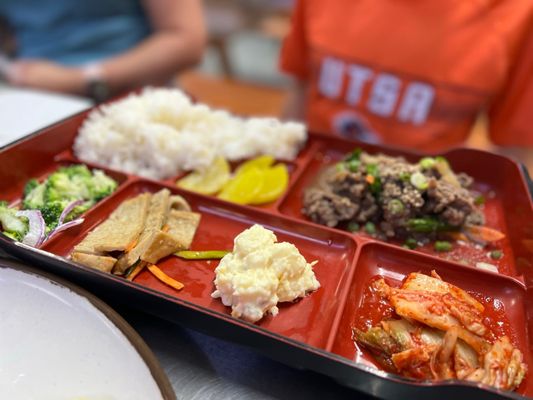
<point x="451" y="203"/>
<point x="344" y="193"/>
<point x="327" y="208"/>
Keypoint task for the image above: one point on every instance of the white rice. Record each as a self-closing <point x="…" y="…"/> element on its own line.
<point x="160" y="132"/>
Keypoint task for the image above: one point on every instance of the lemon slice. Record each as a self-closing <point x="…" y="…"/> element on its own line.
<point x="275" y="181"/>
<point x="209" y="181"/>
<point x="261" y="162"/>
<point x="243" y="188"/>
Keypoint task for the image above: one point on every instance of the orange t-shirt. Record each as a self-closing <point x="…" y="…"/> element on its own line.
<point x="414" y="73"/>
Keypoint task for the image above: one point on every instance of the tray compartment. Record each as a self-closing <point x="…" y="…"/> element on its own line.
<point x="31" y="156"/>
<point x="13" y="194"/>
<point x="508" y="207"/>
<point x="292" y="168"/>
<point x="308" y="320"/>
<point x="395" y="264"/>
<point x="295" y="168"/>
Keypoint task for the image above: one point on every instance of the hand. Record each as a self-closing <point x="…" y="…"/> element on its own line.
<point x="40" y="74"/>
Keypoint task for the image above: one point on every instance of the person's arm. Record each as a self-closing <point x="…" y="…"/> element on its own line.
<point x="177" y="42"/>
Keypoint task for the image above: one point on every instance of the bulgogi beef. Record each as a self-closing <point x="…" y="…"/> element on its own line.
<point x="399" y="198"/>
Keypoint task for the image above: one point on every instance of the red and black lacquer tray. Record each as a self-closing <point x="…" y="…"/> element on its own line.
<point x="314" y="333"/>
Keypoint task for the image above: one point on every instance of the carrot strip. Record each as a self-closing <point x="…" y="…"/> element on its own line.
<point x="164" y="277"/>
<point x="131" y="246"/>
<point x="458" y="236"/>
<point x="483" y="233"/>
<point x="136" y="271"/>
<point x="370" y="179"/>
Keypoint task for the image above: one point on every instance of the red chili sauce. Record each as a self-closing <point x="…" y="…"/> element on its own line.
<point x="374" y="309"/>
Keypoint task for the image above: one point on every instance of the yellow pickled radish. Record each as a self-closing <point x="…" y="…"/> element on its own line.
<point x="243" y="188"/>
<point x="275" y="182"/>
<point x="209" y="181"/>
<point x="261" y="162"/>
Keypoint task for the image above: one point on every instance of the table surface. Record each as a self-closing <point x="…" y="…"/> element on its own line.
<point x="46" y="108"/>
<point x="198" y="366"/>
<point x="202" y="367"/>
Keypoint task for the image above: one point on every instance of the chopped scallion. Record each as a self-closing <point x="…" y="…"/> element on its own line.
<point x="419" y="181"/>
<point x="370" y="228"/>
<point x="411" y="243"/>
<point x="395" y="207"/>
<point x="496" y="254"/>
<point x="479" y="200"/>
<point x="427" y="162"/>
<point x="442" y="246"/>
<point x="353" y="226"/>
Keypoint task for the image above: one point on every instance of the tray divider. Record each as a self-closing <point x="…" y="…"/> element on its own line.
<point x="344" y="296"/>
<point x="301" y="166"/>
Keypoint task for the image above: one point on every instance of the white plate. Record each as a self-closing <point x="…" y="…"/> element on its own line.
<point x="59" y="342"/>
<point x="46" y="108"/>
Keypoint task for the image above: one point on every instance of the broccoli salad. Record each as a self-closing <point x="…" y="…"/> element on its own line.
<point x="55" y="204"/>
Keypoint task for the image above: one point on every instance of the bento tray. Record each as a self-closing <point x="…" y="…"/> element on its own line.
<point x="315" y="332"/>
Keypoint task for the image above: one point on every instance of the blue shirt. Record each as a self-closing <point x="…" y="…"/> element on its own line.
<point x="75" y="32"/>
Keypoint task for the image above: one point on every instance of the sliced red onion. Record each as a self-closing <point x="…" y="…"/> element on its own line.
<point x="64" y="226"/>
<point x="36" y="227"/>
<point x="68" y="209"/>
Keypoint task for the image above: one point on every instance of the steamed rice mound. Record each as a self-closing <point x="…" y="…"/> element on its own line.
<point x="160" y="132"/>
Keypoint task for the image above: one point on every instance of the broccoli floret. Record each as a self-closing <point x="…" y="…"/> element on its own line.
<point x="78" y="210"/>
<point x="77" y="182"/>
<point x="13" y="226"/>
<point x="51" y="212"/>
<point x="79" y="170"/>
<point x="60" y="187"/>
<point x="64" y="186"/>
<point x="30" y="185"/>
<point x="14" y="235"/>
<point x="34" y="198"/>
<point x="102" y="185"/>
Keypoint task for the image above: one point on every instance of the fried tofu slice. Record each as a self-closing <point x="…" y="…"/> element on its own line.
<point x="179" y="203"/>
<point x="156" y="217"/>
<point x="122" y="228"/>
<point x="181" y="228"/>
<point x="183" y="225"/>
<point x="161" y="245"/>
<point x="102" y="263"/>
<point x="147" y="228"/>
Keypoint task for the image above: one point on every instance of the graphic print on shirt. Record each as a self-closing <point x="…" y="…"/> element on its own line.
<point x="389" y="95"/>
<point x="373" y="103"/>
<point x="352" y="125"/>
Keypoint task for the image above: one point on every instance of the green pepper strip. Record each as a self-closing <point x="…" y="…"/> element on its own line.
<point x="128" y="272"/>
<point x="201" y="255"/>
<point x="428" y="225"/>
<point x="443" y="246"/>
<point x="354" y="155"/>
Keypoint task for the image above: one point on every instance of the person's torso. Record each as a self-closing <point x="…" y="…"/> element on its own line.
<point x="74" y="32"/>
<point x="408" y="72"/>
